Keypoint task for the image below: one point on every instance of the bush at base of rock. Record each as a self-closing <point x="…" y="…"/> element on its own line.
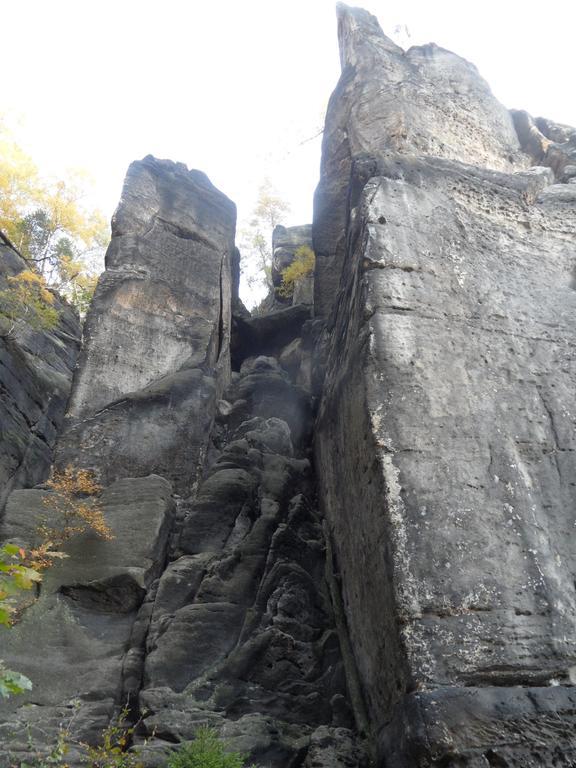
<point x="206" y="751"/>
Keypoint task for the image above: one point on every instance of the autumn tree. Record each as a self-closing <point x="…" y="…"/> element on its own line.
<point x="48" y="223"/>
<point x="256" y="236"/>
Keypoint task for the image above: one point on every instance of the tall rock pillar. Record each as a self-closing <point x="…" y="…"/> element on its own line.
<point x="445" y="441"/>
<point x="156" y="350"/>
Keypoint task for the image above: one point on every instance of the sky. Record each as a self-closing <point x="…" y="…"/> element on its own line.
<point x="238" y="88"/>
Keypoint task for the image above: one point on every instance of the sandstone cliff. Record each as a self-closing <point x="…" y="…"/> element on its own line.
<point x="445" y="439"/>
<point x="343" y="532"/>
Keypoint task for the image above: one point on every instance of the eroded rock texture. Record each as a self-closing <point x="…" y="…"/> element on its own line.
<point x="35" y="379"/>
<point x="425" y="100"/>
<point x="445" y="439"/>
<point x="74" y="638"/>
<point x="210" y="606"/>
<point x="372" y="533"/>
<point x="156" y="351"/>
<point x="241" y="632"/>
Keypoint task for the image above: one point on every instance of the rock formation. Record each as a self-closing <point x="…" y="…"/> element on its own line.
<point x="156" y="351"/>
<point x="343" y="533"/>
<point x="445" y="439"/>
<point x="209" y="605"/>
<point x="35" y="378"/>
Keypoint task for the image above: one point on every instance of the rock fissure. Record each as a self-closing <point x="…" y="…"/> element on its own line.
<point x="343" y="529"/>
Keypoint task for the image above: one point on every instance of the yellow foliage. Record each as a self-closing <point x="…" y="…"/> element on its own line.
<point x="28" y="300"/>
<point x="74" y="509"/>
<point x="35" y="282"/>
<point x="302" y="266"/>
<point x="47" y="220"/>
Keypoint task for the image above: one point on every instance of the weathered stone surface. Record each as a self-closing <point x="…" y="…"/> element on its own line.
<point x="445" y="437"/>
<point x="72" y="640"/>
<point x="424" y="101"/>
<point x="267" y="334"/>
<point x="157" y="335"/>
<point x="35" y="379"/>
<point x="547" y="143"/>
<point x="450" y="383"/>
<point x="242" y="634"/>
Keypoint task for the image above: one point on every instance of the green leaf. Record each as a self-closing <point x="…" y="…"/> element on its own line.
<point x="13" y="682"/>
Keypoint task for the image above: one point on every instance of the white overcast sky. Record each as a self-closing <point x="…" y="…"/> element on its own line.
<point x="238" y="88"/>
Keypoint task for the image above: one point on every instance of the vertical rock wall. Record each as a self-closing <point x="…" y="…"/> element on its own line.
<point x="445" y="438"/>
<point x="155" y="359"/>
<point x="210" y="605"/>
<point x="156" y="351"/>
<point x="35" y="379"/>
<point x="424" y="101"/>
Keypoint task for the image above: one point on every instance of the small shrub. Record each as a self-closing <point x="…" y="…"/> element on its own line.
<point x="206" y="751"/>
<point x="111" y="752"/>
<point x="74" y="510"/>
<point x="28" y="300"/>
<point x="302" y="266"/>
<point x="15" y="576"/>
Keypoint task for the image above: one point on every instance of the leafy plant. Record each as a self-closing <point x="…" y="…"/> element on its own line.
<point x="15" y="576"/>
<point x="27" y="299"/>
<point x="49" y="224"/>
<point x="256" y="237"/>
<point x="73" y="511"/>
<point x="111" y="752"/>
<point x="301" y="266"/>
<point x="206" y="751"/>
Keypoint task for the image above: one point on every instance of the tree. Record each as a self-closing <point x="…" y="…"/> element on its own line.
<point x="302" y="266"/>
<point x="256" y="249"/>
<point x="48" y="223"/>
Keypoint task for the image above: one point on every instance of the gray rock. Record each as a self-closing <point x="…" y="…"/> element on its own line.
<point x="445" y="436"/>
<point x="450" y="375"/>
<point x="304" y="291"/>
<point x="71" y="641"/>
<point x="546" y="142"/>
<point x="242" y="635"/>
<point x="156" y="350"/>
<point x="424" y="101"/>
<point x="35" y="380"/>
<point x="267" y="334"/>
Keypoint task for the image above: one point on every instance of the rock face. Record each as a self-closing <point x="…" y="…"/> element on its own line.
<point x="215" y="605"/>
<point x="424" y="101"/>
<point x="242" y="631"/>
<point x="547" y="143"/>
<point x="156" y="338"/>
<point x="445" y="438"/>
<point x="73" y="640"/>
<point x="370" y="557"/>
<point x="35" y="379"/>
